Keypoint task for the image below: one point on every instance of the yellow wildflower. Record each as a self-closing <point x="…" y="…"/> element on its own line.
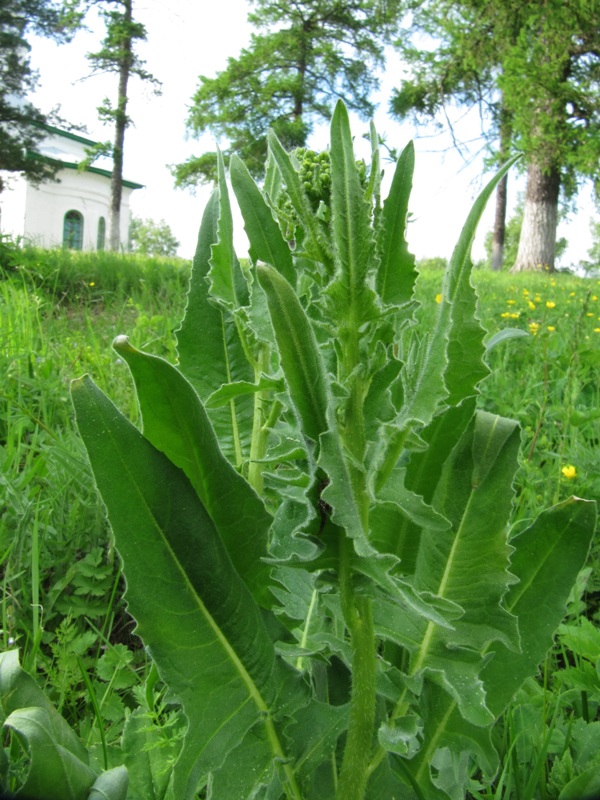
<point x="531" y="306"/>
<point x="569" y="472"/>
<point x="551" y="328"/>
<point x="550" y="304"/>
<point x="438" y="297"/>
<point x="594" y="297"/>
<point x="596" y="330"/>
<point x="91" y="283"/>
<point x="571" y="294"/>
<point x="510" y="302"/>
<point x="534" y="327"/>
<point x="526" y="292"/>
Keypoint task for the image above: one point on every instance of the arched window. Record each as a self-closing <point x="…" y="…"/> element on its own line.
<point x="101" y="240"/>
<point x="73" y="230"/>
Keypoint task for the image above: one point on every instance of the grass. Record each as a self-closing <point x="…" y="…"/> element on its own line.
<point x="62" y="590"/>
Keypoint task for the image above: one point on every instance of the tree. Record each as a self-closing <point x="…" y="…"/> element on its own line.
<point x="557" y="123"/>
<point x="512" y="235"/>
<point x="461" y="68"/>
<point x="117" y="55"/>
<point x="151" y="238"/>
<point x="306" y="55"/>
<point x="535" y="68"/>
<point x="21" y="123"/>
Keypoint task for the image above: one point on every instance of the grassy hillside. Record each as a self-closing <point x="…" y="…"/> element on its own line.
<point x="62" y="589"/>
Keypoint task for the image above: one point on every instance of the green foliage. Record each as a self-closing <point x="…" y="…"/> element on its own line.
<point x="150" y="238"/>
<point x="529" y="67"/>
<point x="532" y="70"/>
<point x="328" y="581"/>
<point x="57" y="758"/>
<point x="305" y="55"/>
<point x="21" y="123"/>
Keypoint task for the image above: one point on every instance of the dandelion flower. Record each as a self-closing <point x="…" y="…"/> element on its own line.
<point x="569" y="472"/>
<point x="438" y="297"/>
<point x="550" y="304"/>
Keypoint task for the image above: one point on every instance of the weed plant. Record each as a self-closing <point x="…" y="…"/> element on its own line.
<point x="61" y="581"/>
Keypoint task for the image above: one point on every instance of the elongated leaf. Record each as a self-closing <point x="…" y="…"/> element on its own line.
<point x="465" y="355"/>
<point x="266" y="242"/>
<point x="352" y="233"/>
<point x="546" y="561"/>
<point x="299" y="352"/>
<point x="211" y="646"/>
<point x="503" y="335"/>
<point x="447" y="733"/>
<point x="110" y="785"/>
<point x="51" y="764"/>
<point x="469" y="564"/>
<point x="396" y="274"/>
<point x="548" y="557"/>
<point x="19" y="690"/>
<point x="210" y="350"/>
<point x="228" y="285"/>
<point x="176" y="423"/>
<point x="232" y="390"/>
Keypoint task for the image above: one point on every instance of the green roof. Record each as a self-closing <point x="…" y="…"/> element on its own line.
<point x="97" y="171"/>
<point x="67" y="135"/>
<point x="73" y="165"/>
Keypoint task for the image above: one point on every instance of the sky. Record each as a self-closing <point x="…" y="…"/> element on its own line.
<point x="189" y="38"/>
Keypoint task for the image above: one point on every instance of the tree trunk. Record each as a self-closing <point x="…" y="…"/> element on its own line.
<point x="116" y="183"/>
<point x="501" y="193"/>
<point x="499" y="225"/>
<point x="540" y="218"/>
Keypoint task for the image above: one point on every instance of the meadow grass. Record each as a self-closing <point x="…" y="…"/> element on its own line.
<point x="62" y="589"/>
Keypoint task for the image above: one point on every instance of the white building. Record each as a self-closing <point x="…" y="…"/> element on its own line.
<point x="72" y="212"/>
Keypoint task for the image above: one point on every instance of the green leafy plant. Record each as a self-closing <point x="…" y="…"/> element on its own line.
<point x="314" y="521"/>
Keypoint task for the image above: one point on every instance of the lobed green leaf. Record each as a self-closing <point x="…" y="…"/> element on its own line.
<point x="396" y="274"/>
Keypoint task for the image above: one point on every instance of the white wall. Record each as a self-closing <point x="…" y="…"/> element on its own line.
<point x="85" y="192"/>
<point x="37" y="213"/>
<point x="12" y="204"/>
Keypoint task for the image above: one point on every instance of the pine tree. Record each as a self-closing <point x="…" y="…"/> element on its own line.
<point x="534" y="69"/>
<point x="21" y="123"/>
<point x="306" y="55"/>
<point x="117" y="55"/>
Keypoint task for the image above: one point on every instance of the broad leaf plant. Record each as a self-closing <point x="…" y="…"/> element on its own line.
<point x="315" y="519"/>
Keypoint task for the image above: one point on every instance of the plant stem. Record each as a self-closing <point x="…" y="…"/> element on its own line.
<point x="359" y="619"/>
<point x="260" y="432"/>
